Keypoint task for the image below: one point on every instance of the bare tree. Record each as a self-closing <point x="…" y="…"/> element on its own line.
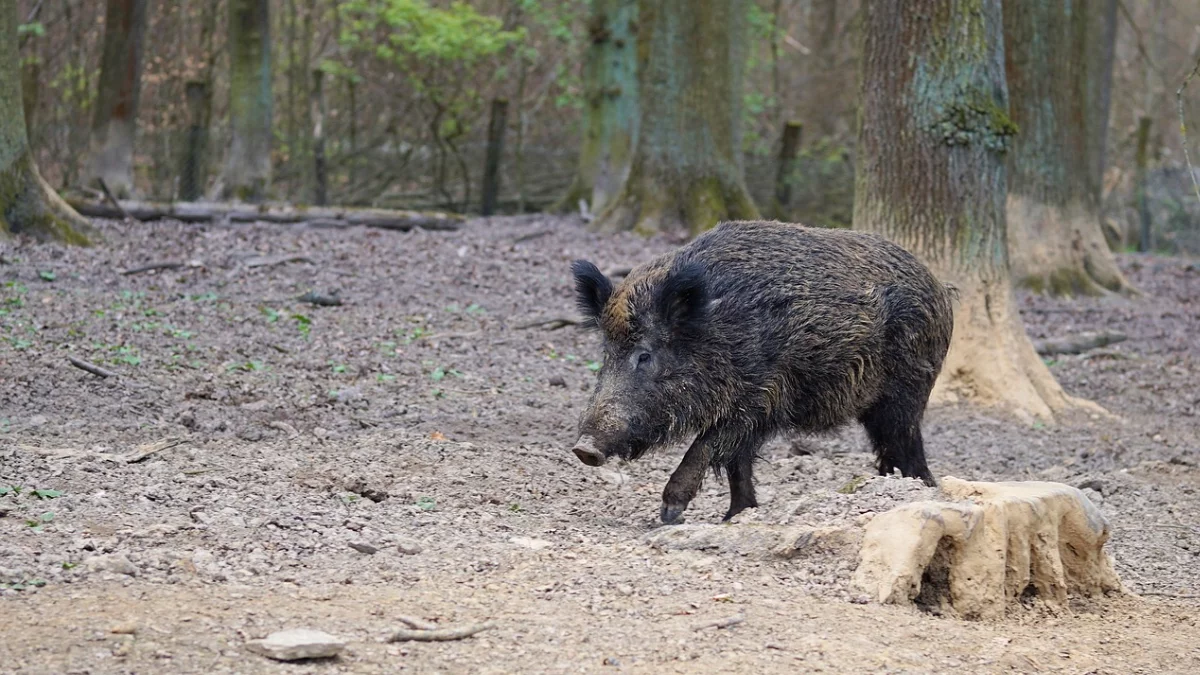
<point x="247" y="171"/>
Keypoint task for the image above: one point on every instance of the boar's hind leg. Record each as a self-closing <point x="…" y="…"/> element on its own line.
<point x="741" y="482"/>
<point x="894" y="426"/>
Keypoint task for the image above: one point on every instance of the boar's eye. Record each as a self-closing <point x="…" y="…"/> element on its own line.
<point x="640" y="358"/>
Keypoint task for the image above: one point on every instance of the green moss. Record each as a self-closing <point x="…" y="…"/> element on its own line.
<point x="974" y="118"/>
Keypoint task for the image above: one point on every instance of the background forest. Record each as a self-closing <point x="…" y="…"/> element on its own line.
<point x="407" y="87"/>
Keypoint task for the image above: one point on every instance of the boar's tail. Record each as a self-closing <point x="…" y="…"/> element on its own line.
<point x="952" y="291"/>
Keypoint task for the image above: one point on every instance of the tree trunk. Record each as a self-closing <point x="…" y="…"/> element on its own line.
<point x="320" y="175"/>
<point x="610" y="118"/>
<point x="27" y="204"/>
<point x="824" y="79"/>
<point x="247" y="169"/>
<point x="193" y="171"/>
<point x="1059" y="68"/>
<point x="687" y="163"/>
<point x="110" y="150"/>
<point x="931" y="177"/>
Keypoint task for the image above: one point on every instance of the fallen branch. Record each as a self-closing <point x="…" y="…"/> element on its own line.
<point x="721" y="623"/>
<point x="90" y="367"/>
<point x="113" y="200"/>
<point x="207" y="212"/>
<point x="440" y="634"/>
<point x="1169" y="594"/>
<point x="1077" y="344"/>
<point x="550" y="324"/>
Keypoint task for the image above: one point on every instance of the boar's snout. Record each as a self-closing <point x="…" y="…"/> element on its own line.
<point x="585" y="450"/>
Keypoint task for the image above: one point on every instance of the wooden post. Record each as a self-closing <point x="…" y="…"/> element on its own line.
<point x="1146" y="239"/>
<point x="193" y="174"/>
<point x="495" y="148"/>
<point x="785" y="168"/>
<point x="320" y="178"/>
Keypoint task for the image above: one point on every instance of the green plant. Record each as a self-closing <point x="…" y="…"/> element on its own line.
<point x="426" y="503"/>
<point x="303" y="324"/>
<point x="273" y="315"/>
<point x="43" y="493"/>
<point x="46" y="275"/>
<point x="36" y="524"/>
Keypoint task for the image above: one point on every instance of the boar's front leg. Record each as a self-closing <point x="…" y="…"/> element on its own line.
<point x="726" y="445"/>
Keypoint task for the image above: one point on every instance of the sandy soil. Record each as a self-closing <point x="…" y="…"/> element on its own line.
<point x="255" y="449"/>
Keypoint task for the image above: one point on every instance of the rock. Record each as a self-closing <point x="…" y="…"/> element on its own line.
<point x="531" y="543"/>
<point x="557" y="381"/>
<point x="974" y="557"/>
<point x="114" y="562"/>
<point x="124" y="628"/>
<point x="407" y="546"/>
<point x="299" y="643"/>
<point x="364" y="547"/>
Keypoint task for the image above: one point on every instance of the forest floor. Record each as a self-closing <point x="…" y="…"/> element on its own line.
<point x="254" y="451"/>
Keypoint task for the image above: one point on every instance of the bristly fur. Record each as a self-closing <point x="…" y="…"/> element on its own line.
<point x="757" y="328"/>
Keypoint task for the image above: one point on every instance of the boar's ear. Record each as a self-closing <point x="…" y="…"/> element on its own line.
<point x="592" y="290"/>
<point x="683" y="298"/>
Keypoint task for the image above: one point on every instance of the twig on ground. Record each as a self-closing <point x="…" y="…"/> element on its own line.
<point x="550" y="324"/>
<point x="271" y="260"/>
<point x="721" y="623"/>
<point x="90" y="367"/>
<point x="414" y="622"/>
<point x="531" y="236"/>
<point x="440" y="634"/>
<point x="1169" y="594"/>
<point x="314" y="298"/>
<point x="1076" y="344"/>
<point x="152" y="267"/>
<point x="143" y="451"/>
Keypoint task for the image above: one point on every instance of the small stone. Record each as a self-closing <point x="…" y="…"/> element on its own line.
<point x="610" y="661"/>
<point x="408" y="546"/>
<point x="38" y="420"/>
<point x="530" y="543"/>
<point x="557" y="381"/>
<point x="625" y="589"/>
<point x="364" y="547"/>
<point x="124" y="628"/>
<point x="115" y="562"/>
<point x="299" y="643"/>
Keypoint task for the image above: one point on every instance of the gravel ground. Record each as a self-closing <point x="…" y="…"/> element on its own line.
<point x="262" y="463"/>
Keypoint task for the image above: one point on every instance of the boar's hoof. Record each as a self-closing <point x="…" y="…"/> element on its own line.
<point x="587" y="453"/>
<point x="671" y="513"/>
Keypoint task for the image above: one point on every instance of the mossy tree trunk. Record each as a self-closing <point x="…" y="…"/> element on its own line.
<point x="1058" y="61"/>
<point x="933" y="132"/>
<point x="114" y="121"/>
<point x="247" y="170"/>
<point x="27" y="204"/>
<point x="686" y="173"/>
<point x="610" y="119"/>
<point x="823" y="77"/>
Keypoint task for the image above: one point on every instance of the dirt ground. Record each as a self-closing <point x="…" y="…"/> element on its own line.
<point x="261" y="463"/>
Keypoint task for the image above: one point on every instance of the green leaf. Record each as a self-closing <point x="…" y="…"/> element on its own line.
<point x="46" y="275"/>
<point x="438" y="374"/>
<point x="426" y="503"/>
<point x="47" y="494"/>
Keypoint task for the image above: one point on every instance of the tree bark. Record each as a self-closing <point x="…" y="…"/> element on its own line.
<point x="247" y="171"/>
<point x="932" y="135"/>
<point x="687" y="163"/>
<point x="610" y="119"/>
<point x="1058" y="61"/>
<point x="27" y="204"/>
<point x="114" y="123"/>
<point x="193" y="174"/>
